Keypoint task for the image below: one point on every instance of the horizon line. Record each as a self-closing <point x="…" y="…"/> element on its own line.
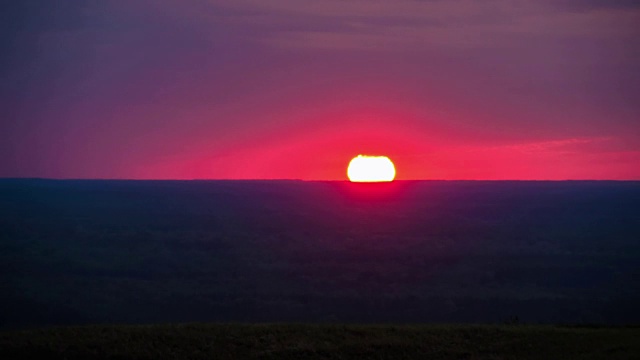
<point x="303" y="180"/>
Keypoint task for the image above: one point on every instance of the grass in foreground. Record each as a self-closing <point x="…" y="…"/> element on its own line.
<point x="292" y="341"/>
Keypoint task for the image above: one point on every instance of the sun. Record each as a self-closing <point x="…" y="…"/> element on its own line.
<point x="365" y="168"/>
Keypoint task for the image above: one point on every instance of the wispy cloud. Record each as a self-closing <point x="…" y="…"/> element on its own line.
<point x="556" y="146"/>
<point x="384" y="24"/>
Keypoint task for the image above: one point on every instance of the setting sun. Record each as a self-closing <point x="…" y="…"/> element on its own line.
<point x="364" y="168"/>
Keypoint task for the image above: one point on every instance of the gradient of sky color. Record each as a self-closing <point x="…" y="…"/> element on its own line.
<point x="237" y="89"/>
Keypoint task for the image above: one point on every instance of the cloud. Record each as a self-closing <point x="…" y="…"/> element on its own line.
<point x="585" y="5"/>
<point x="411" y="24"/>
<point x="544" y="147"/>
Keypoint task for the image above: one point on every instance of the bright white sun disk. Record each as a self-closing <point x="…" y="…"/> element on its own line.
<point x="364" y="168"/>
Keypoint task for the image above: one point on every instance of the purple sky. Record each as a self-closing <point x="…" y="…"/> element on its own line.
<point x="457" y="89"/>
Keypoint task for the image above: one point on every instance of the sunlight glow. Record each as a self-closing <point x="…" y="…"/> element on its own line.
<point x="364" y="168"/>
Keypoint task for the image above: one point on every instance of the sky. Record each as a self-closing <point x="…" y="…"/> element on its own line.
<point x="293" y="89"/>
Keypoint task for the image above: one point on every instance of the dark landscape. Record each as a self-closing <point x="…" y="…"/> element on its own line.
<point x="323" y="341"/>
<point x="105" y="252"/>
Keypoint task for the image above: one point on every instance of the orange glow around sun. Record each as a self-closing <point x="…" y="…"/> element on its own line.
<point x="364" y="168"/>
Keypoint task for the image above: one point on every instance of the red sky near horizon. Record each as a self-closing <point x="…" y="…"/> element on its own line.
<point x="293" y="89"/>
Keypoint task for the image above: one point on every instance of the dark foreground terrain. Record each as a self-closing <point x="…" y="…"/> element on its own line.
<point x="200" y="341"/>
<point x="89" y="252"/>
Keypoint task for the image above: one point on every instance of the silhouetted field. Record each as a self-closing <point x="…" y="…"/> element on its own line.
<point x="85" y="252"/>
<point x="275" y="341"/>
